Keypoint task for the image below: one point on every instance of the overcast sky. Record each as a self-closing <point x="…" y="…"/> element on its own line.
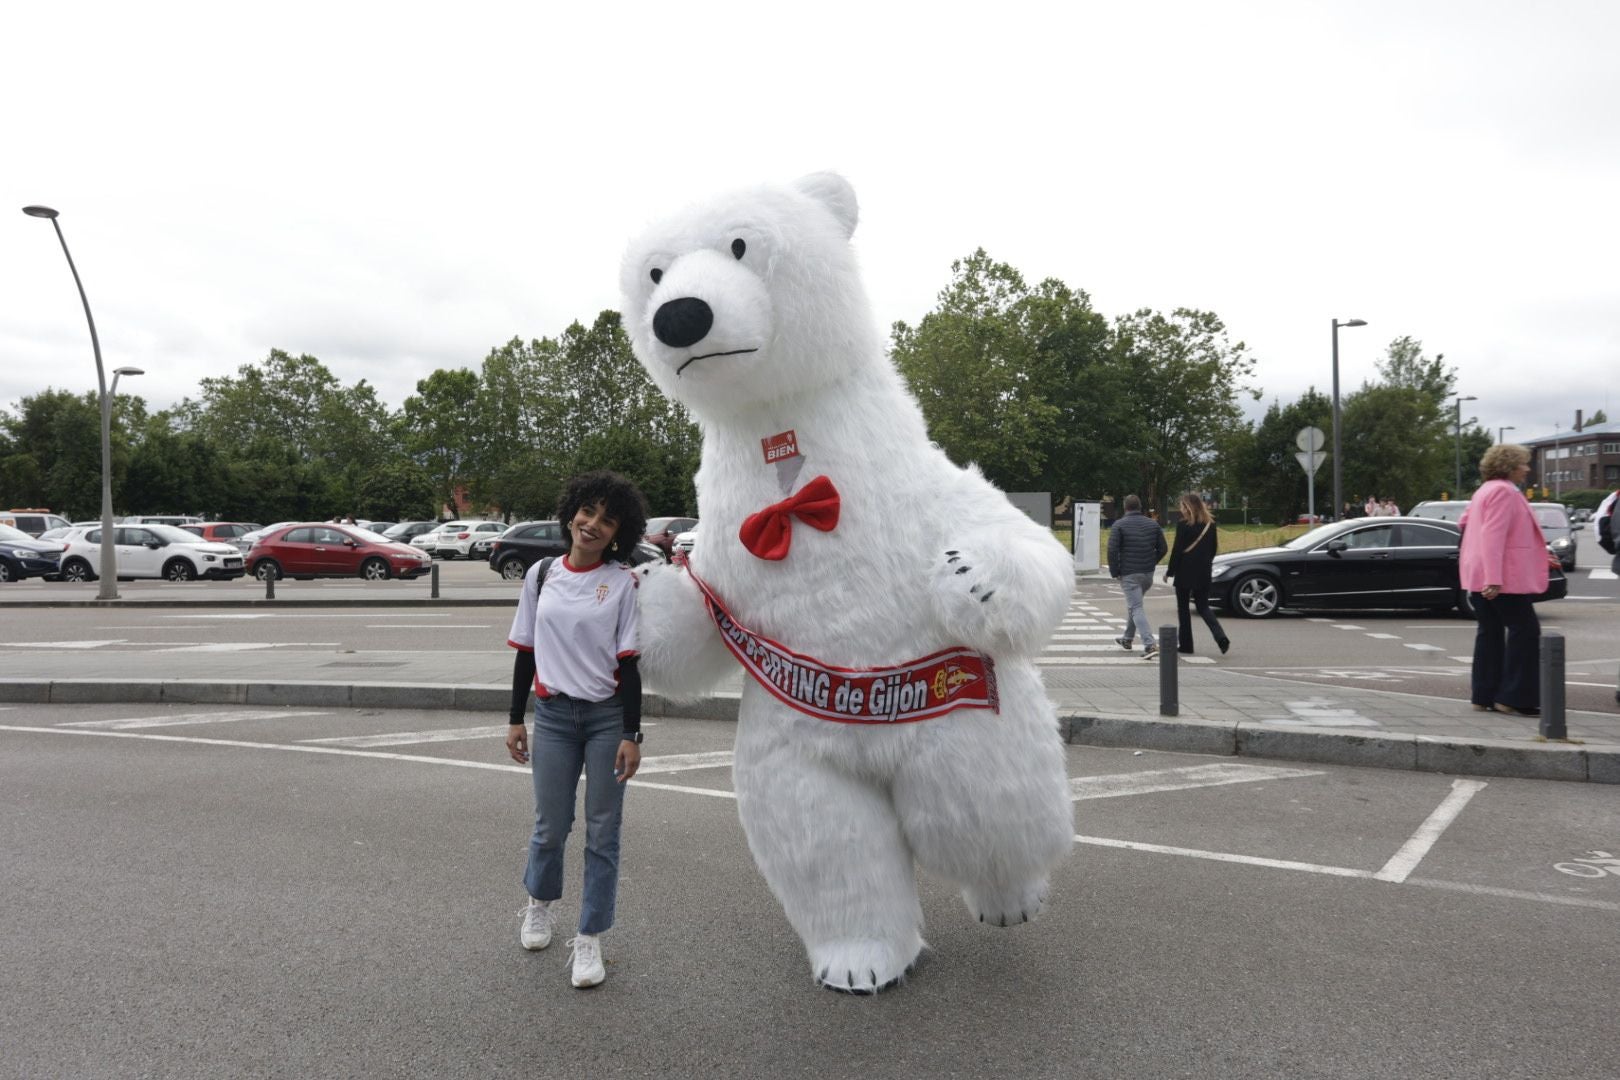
<point x="399" y="187"/>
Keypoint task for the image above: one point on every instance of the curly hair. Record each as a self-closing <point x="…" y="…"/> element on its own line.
<point x="621" y="499"/>
<point x="1500" y="460"/>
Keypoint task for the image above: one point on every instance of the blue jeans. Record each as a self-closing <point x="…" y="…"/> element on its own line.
<point x="1135" y="587"/>
<point x="571" y="735"/>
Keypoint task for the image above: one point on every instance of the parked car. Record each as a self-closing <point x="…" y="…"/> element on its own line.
<point x="379" y="527"/>
<point x="160" y="519"/>
<point x="320" y="549"/>
<point x="661" y="532"/>
<point x="406" y="531"/>
<point x="33" y="522"/>
<point x="225" y="532"/>
<point x="1440" y="509"/>
<point x="520" y="546"/>
<point x="1581" y="516"/>
<point x="22" y="556"/>
<point x="246" y="541"/>
<point x="150" y="551"/>
<point x="1386" y="562"/>
<point x="454" y="538"/>
<point x="1560" y="533"/>
<point x="684" y="542"/>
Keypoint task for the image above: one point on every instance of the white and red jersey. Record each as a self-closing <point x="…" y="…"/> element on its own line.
<point x="583" y="624"/>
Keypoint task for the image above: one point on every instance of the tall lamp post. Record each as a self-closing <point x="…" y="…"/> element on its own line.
<point x="1458" y="489"/>
<point x="109" y="553"/>
<point x="1338" y="476"/>
<point x="1503" y="430"/>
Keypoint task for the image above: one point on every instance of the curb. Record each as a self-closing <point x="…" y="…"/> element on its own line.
<point x="1419" y="753"/>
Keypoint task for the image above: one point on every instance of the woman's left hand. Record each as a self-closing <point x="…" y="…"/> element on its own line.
<point x="628" y="760"/>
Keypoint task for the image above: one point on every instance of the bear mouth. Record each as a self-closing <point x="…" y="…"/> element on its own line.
<point x="705" y="356"/>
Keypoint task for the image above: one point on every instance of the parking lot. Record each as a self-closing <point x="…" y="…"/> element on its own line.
<point x="222" y="891"/>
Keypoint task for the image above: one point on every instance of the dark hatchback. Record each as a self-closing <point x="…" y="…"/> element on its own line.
<point x="520" y="546"/>
<point x="21" y="556"/>
<point x="1361" y="564"/>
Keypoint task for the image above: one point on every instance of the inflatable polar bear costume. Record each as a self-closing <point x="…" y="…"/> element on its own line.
<point x="750" y="312"/>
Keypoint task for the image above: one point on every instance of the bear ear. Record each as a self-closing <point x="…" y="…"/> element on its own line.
<point x="835" y="193"/>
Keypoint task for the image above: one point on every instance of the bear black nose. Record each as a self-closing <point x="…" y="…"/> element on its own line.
<point x="683" y="322"/>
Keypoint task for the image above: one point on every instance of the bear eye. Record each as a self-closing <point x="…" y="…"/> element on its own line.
<point x="738" y="247"/>
<point x="657" y="275"/>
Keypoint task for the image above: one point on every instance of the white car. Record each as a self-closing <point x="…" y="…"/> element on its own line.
<point x="456" y="538"/>
<point x="150" y="551"/>
<point x="684" y="542"/>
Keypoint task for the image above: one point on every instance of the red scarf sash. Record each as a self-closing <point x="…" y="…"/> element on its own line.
<point x="954" y="678"/>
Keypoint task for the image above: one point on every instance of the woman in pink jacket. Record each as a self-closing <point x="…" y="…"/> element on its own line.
<point x="1503" y="565"/>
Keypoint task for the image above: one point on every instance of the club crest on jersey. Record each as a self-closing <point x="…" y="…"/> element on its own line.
<point x="601" y="593"/>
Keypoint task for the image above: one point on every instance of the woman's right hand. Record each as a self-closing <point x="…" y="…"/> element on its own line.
<point x="1491" y="592"/>
<point x="517" y="743"/>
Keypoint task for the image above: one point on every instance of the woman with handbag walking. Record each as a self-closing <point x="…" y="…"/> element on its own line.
<point x="1191" y="558"/>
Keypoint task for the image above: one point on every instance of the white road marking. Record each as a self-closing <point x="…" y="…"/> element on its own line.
<point x="1111" y="646"/>
<point x="1323" y="712"/>
<point x="1401" y="865"/>
<point x="423" y="626"/>
<point x="1513" y="894"/>
<point x="1347" y="626"/>
<point x="250" y="646"/>
<point x="406" y="738"/>
<point x="1386" y="637"/>
<point x="1193" y="776"/>
<point x="173" y="719"/>
<point x="1119" y="657"/>
<point x="1462" y="659"/>
<point x="80" y="644"/>
<point x="666" y="763"/>
<point x="1599" y="574"/>
<point x="1423" y="648"/>
<point x="1106" y="636"/>
<point x="1221" y="856"/>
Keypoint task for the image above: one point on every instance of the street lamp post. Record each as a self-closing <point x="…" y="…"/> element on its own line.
<point x="1338" y="476"/>
<point x="1503" y="430"/>
<point x="109" y="553"/>
<point x="1458" y="489"/>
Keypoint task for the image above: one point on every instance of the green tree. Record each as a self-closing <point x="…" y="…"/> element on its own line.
<point x="1259" y="462"/>
<point x="1185" y="376"/>
<point x="441" y="429"/>
<point x="1397" y="434"/>
<point x="396" y="490"/>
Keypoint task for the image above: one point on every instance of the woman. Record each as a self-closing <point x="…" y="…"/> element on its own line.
<point x="575" y="633"/>
<point x="1503" y="565"/>
<point x="1190" y="560"/>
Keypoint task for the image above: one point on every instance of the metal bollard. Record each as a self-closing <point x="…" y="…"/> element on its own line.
<point x="270" y="585"/>
<point x="1552" y="686"/>
<point x="1169" y="701"/>
<point x="435" y="576"/>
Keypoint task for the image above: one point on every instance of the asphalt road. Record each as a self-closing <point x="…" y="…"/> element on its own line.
<point x="193" y="892"/>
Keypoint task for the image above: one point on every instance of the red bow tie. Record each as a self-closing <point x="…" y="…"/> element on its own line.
<point x="769" y="533"/>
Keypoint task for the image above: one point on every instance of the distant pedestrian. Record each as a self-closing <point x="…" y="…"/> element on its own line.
<point x="575" y="632"/>
<point x="1503" y="565"/>
<point x="1370" y="508"/>
<point x="1191" y="560"/>
<point x="1389" y="508"/>
<point x="1135" y="546"/>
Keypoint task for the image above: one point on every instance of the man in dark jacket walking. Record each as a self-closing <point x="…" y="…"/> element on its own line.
<point x="1135" y="546"/>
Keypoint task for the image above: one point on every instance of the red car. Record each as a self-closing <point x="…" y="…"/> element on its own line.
<point x="226" y="532"/>
<point x="314" y="549"/>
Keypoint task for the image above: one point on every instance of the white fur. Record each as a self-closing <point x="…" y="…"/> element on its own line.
<point x="836" y="814"/>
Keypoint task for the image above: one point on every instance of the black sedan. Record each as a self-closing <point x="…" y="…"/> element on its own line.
<point x="22" y="556"/>
<point x="1364" y="563"/>
<point x="519" y="547"/>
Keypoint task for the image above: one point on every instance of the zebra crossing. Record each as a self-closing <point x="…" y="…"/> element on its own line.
<point x="1086" y="638"/>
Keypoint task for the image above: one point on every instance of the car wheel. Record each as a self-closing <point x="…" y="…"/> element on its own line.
<point x="1256" y="596"/>
<point x="374" y="570"/>
<point x="512" y="568"/>
<point x="77" y="570"/>
<point x="179" y="570"/>
<point x="266" y="569"/>
<point x="7" y="573"/>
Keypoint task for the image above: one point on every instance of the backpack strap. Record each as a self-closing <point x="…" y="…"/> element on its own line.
<point x="540" y="578"/>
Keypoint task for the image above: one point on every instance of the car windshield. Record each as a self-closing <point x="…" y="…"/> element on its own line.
<point x="9" y="533"/>
<point x="1316" y="536"/>
<point x="173" y="534"/>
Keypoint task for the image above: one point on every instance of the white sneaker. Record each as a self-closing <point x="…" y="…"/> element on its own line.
<point x="536" y="932"/>
<point x="588" y="969"/>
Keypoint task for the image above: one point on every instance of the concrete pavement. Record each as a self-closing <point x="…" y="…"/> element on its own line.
<point x="1220" y="712"/>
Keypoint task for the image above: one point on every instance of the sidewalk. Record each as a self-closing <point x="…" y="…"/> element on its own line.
<point x="1220" y="712"/>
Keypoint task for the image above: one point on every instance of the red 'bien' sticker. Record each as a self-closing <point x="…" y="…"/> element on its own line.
<point x="780" y="447"/>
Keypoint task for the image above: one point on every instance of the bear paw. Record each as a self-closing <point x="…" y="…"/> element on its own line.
<point x="1006" y="907"/>
<point x="969" y="598"/>
<point x="859" y="967"/>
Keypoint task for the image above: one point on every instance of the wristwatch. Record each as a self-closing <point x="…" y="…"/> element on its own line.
<point x="632" y="736"/>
